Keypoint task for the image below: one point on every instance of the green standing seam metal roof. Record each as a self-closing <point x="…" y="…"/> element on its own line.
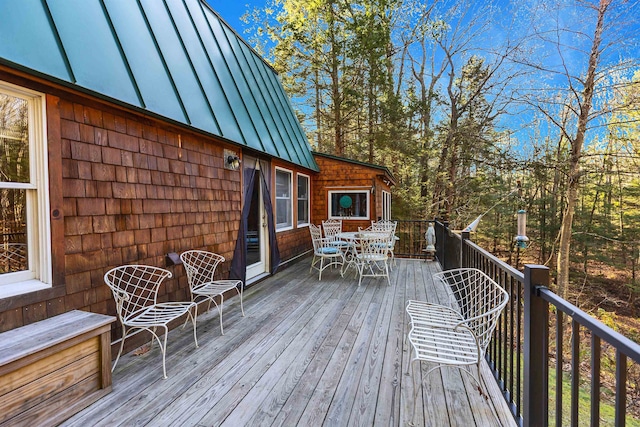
<point x="174" y="59"/>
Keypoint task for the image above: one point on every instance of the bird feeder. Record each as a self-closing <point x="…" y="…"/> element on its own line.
<point x="521" y="238"/>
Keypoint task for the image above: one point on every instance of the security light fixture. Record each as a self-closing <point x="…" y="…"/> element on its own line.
<point x="231" y="160"/>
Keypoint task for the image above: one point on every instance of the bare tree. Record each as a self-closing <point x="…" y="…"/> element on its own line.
<point x="576" y="36"/>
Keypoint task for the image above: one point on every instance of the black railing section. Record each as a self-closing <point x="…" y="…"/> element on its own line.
<point x="527" y="354"/>
<point x="448" y="247"/>
<point x="411" y="240"/>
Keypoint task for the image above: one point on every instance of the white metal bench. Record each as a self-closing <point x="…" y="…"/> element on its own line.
<point x="457" y="334"/>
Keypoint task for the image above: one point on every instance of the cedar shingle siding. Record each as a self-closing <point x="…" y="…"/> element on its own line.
<point x="340" y="173"/>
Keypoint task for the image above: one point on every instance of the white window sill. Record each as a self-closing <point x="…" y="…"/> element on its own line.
<point x="20" y="288"/>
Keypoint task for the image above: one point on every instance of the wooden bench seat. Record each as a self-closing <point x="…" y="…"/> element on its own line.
<point x="51" y="369"/>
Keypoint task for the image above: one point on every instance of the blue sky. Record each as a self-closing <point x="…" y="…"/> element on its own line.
<point x="520" y="124"/>
<point x="232" y="10"/>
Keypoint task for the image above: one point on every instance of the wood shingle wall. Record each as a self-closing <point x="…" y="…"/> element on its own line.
<point x="124" y="188"/>
<point x="340" y="174"/>
<point x="134" y="192"/>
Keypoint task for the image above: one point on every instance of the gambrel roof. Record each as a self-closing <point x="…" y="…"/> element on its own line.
<point x="174" y="59"/>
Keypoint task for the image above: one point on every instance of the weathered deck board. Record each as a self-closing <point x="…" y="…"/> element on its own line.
<point x="307" y="353"/>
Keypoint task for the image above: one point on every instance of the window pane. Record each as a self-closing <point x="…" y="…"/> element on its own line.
<point x="283" y="187"/>
<point x="13" y="247"/>
<point x="303" y="187"/>
<point x="284" y="214"/>
<point x="303" y="200"/>
<point x="14" y="139"/>
<point x="349" y="204"/>
<point x="303" y="212"/>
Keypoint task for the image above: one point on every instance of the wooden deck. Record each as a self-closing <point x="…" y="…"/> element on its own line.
<point x="308" y="353"/>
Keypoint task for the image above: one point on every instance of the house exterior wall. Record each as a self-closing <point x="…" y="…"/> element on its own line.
<point x="338" y="174"/>
<point x="128" y="189"/>
<point x="296" y="242"/>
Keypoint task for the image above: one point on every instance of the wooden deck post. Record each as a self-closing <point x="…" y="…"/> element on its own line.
<point x="536" y="343"/>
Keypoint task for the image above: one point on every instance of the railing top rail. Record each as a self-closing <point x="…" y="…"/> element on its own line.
<point x="628" y="347"/>
<point x="514" y="273"/>
<point x="449" y="231"/>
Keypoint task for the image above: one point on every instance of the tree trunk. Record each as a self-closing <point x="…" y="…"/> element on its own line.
<point x="576" y="153"/>
<point x="335" y="86"/>
<point x="318" y="109"/>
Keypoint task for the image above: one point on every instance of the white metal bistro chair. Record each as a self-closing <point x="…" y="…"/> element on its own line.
<point x="387" y="226"/>
<point x="457" y="333"/>
<point x="135" y="289"/>
<point x="201" y="268"/>
<point x="324" y="250"/>
<point x="332" y="228"/>
<point x="372" y="255"/>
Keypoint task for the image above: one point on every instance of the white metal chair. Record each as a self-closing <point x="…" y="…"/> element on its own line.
<point x="457" y="333"/>
<point x="387" y="226"/>
<point x="135" y="289"/>
<point x="201" y="268"/>
<point x="384" y="225"/>
<point x="324" y="250"/>
<point x="372" y="255"/>
<point x="332" y="228"/>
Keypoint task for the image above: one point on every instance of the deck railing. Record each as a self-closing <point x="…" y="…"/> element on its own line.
<point x="527" y="353"/>
<point x="411" y="241"/>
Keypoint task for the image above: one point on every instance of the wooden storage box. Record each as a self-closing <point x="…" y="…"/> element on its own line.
<point x="52" y="369"/>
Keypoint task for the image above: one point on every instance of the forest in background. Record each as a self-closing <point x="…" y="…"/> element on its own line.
<point x="462" y="99"/>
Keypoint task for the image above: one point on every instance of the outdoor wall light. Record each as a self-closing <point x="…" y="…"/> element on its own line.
<point x="231" y="160"/>
<point x="172" y="258"/>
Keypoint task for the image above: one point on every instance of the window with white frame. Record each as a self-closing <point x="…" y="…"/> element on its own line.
<point x="386" y="206"/>
<point x="349" y="204"/>
<point x="303" y="200"/>
<point x="24" y="214"/>
<point x="284" y="199"/>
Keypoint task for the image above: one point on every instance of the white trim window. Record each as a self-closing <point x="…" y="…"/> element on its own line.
<point x="303" y="200"/>
<point x="284" y="199"/>
<point x="25" y="246"/>
<point x="349" y="204"/>
<point x="386" y="206"/>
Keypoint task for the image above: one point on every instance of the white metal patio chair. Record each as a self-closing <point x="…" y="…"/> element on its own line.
<point x="201" y="268"/>
<point x="332" y="228"/>
<point x="387" y="226"/>
<point x="135" y="290"/>
<point x="458" y="332"/>
<point x="372" y="255"/>
<point x="324" y="250"/>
